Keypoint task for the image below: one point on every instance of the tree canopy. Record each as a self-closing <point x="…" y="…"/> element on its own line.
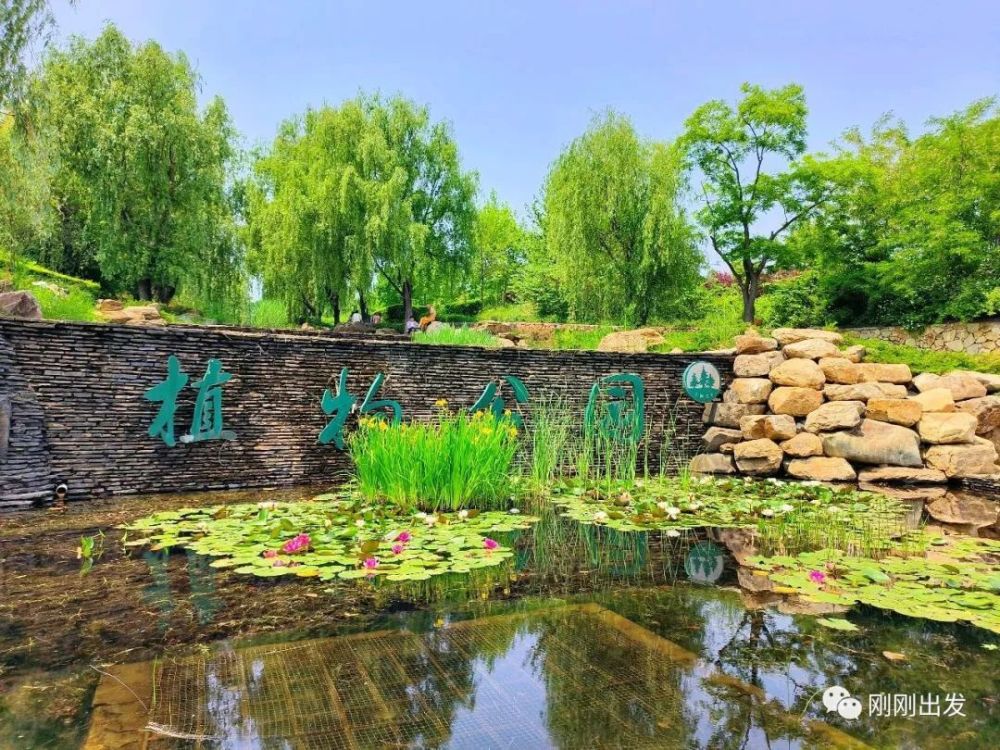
<point x="369" y="189"/>
<point x="139" y="173"/>
<point x="614" y="226"/>
<point x="732" y="147"/>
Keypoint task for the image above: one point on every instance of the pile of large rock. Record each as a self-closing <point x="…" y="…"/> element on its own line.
<point x="802" y="405"/>
<point x="114" y="311"/>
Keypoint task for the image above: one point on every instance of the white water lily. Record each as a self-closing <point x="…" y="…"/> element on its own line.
<point x="600" y="516"/>
<point x="673" y="532"/>
<point x="767" y="512"/>
<point x="834" y="509"/>
<point x="463" y="514"/>
<point x="672" y="511"/>
<point x="421" y="515"/>
<point x="786" y="508"/>
<point x="431" y="520"/>
<point x="514" y="511"/>
<point x="693" y="507"/>
<point x="268" y="505"/>
<point x="359" y="522"/>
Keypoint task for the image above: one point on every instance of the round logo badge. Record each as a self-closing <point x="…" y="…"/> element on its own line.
<point x="702" y="382"/>
<point x="704" y="563"/>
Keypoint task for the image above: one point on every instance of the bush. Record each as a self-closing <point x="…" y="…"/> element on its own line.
<point x="457" y="462"/>
<point x="522" y="312"/>
<point x="925" y="360"/>
<point x="796" y="302"/>
<point x="462" y="309"/>
<point x="77" y="304"/>
<point x="268" y="313"/>
<point x="449" y="336"/>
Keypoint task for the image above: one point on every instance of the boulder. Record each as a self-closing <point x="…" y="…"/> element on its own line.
<point x="835" y="415"/>
<point x="758" y="456"/>
<point x="840" y="370"/>
<point x="965" y="509"/>
<point x="756" y="365"/>
<point x="794" y="401"/>
<point x="801" y="373"/>
<point x="810" y="349"/>
<point x="904" y="411"/>
<point x="502" y="343"/>
<point x="715" y="437"/>
<point x="855" y="353"/>
<point x="902" y="474"/>
<point x="770" y="426"/>
<point x="753" y="343"/>
<point x="751" y="390"/>
<point x="917" y="494"/>
<point x="786" y="336"/>
<point x="935" y="399"/>
<point x="712" y="463"/>
<point x="20" y="305"/>
<point x="624" y="341"/>
<point x="945" y="429"/>
<point x="863" y="391"/>
<point x="925" y="381"/>
<point x="877" y="372"/>
<point x="961" y="386"/>
<point x="109" y="305"/>
<point x="803" y="445"/>
<point x="729" y="415"/>
<point x="972" y="459"/>
<point x="991" y="381"/>
<point x="994" y="437"/>
<point x="874" y="442"/>
<point x="986" y="410"/>
<point x="821" y="469"/>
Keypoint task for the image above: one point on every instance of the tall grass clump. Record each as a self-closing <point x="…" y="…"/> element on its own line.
<point x="456" y="462"/>
<point x="461" y="336"/>
<point x="75" y="304"/>
<point x="549" y="434"/>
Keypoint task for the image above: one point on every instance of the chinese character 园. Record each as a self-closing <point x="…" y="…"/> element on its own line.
<point x="617" y="407"/>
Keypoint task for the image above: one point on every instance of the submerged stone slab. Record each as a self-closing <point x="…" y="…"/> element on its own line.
<point x="874" y="442"/>
<point x="902" y="474"/>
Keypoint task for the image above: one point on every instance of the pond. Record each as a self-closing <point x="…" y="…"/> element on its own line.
<point x="587" y="636"/>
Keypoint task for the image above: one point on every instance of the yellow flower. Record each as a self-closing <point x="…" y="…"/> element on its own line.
<point x="441" y="403"/>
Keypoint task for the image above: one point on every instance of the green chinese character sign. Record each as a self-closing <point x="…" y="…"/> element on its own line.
<point x="617" y="407"/>
<point x="702" y="382"/>
<point x="492" y="400"/>
<point x="206" y="424"/>
<point x="338" y="406"/>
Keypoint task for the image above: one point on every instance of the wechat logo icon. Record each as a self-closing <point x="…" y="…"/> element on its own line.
<point x="838" y="699"/>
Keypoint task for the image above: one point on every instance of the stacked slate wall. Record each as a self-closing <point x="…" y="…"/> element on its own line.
<point x="77" y="413"/>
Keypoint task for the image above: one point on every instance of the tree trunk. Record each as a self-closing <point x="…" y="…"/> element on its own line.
<point x="311" y="314"/>
<point x="144" y="290"/>
<point x="164" y="294"/>
<point x="407" y="300"/>
<point x="362" y="305"/>
<point x="335" y="307"/>
<point x="750" y="289"/>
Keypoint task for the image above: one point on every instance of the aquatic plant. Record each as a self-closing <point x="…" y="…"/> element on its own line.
<point x="549" y="433"/>
<point x="952" y="579"/>
<point x="784" y="516"/>
<point x="456" y="461"/>
<point x="332" y="537"/>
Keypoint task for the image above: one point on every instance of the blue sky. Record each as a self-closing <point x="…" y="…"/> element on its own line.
<point x="519" y="80"/>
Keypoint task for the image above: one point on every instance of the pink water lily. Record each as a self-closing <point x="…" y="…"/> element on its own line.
<point x="397" y="549"/>
<point x="404" y="537"/>
<point x="816" y="576"/>
<point x="270" y="553"/>
<point x="371" y="563"/>
<point x="490" y="544"/>
<point x="296" y="544"/>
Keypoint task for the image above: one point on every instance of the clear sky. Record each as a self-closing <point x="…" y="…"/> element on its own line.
<point x="519" y="80"/>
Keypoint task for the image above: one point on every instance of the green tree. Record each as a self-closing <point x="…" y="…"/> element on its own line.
<point x="370" y="188"/>
<point x="26" y="215"/>
<point x="500" y="250"/>
<point x="614" y="229"/>
<point x="730" y="146"/>
<point x="911" y="235"/>
<point x="22" y="23"/>
<point x="139" y="174"/>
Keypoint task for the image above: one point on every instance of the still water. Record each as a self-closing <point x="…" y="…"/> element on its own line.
<point x="590" y="638"/>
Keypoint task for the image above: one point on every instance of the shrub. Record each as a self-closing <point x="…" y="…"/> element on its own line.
<point x="451" y="336"/>
<point x="77" y="304"/>
<point x="795" y="302"/>
<point x="459" y="461"/>
<point x="925" y="360"/>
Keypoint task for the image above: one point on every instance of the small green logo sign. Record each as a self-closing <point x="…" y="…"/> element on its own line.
<point x="702" y="382"/>
<point x="704" y="563"/>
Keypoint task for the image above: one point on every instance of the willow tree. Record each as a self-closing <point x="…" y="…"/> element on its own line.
<point x="500" y="250"/>
<point x="369" y="188"/>
<point x="139" y="173"/>
<point x="614" y="226"/>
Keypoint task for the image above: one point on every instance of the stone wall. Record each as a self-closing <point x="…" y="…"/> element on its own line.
<point x="971" y="338"/>
<point x="77" y="414"/>
<point x="802" y="406"/>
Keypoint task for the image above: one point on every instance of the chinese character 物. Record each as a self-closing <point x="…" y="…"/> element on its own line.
<point x="339" y="406"/>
